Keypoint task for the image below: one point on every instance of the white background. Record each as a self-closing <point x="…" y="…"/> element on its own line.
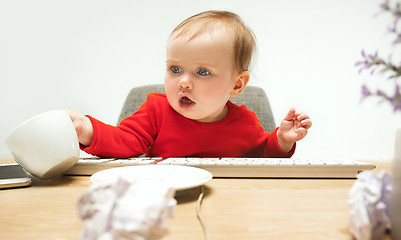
<point x="87" y="55"/>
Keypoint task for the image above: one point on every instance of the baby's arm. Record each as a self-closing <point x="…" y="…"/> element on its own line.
<point x="293" y="128"/>
<point x="83" y="126"/>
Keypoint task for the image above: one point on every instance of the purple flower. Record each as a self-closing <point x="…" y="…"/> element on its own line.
<point x="365" y="92"/>
<point x="384" y="6"/>
<point x="396" y="99"/>
<point x="375" y="64"/>
<point x="372" y="57"/>
<point x="381" y="94"/>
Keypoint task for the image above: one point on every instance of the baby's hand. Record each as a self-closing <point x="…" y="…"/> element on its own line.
<point x="83" y="126"/>
<point x="293" y="128"/>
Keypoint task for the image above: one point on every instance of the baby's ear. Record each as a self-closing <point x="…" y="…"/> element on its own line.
<point x="241" y="81"/>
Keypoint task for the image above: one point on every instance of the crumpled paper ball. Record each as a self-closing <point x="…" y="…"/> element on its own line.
<point x="127" y="209"/>
<point x="369" y="204"/>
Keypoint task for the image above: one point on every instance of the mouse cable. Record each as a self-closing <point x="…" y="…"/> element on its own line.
<point x="198" y="206"/>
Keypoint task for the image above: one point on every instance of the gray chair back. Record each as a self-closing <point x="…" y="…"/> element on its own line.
<point x="254" y="98"/>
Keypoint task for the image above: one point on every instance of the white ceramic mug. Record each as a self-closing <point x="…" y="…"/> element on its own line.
<point x="45" y="145"/>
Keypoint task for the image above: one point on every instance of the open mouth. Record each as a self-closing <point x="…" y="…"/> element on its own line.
<point x="186" y="101"/>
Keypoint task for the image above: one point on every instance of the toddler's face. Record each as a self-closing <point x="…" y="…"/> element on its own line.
<point x="200" y="76"/>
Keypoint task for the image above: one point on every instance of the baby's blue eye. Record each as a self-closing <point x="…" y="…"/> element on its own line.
<point x="176" y="69"/>
<point x="203" y="72"/>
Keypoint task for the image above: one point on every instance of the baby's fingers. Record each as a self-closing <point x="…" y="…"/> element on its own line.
<point x="304" y="119"/>
<point x="301" y="116"/>
<point x="307" y="123"/>
<point x="301" y="132"/>
<point x="290" y="115"/>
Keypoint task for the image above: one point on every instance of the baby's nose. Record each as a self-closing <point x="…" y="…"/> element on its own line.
<point x="185" y="82"/>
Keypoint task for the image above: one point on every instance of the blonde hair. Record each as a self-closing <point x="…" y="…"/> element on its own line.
<point x="243" y="37"/>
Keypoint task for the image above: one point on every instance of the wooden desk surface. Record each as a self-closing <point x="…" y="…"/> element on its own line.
<point x="232" y="209"/>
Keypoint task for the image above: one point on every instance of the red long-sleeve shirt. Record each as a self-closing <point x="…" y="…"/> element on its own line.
<point x="159" y="131"/>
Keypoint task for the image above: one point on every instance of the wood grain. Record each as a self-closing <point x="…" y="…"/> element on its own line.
<point x="232" y="209"/>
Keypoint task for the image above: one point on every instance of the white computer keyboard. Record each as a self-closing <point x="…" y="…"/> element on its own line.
<point x="238" y="167"/>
